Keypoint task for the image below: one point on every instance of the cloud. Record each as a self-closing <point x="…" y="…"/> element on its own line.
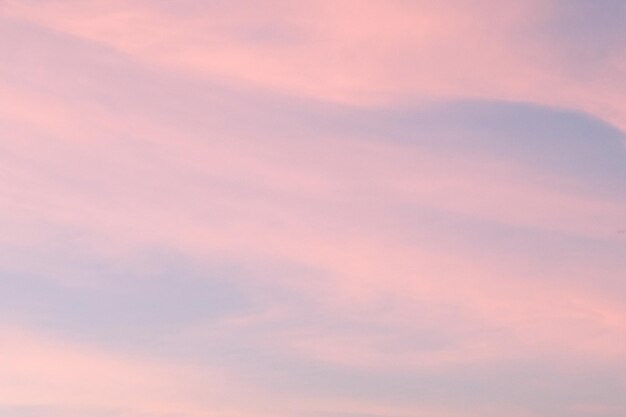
<point x="378" y="52"/>
<point x="400" y="209"/>
<point x="42" y="372"/>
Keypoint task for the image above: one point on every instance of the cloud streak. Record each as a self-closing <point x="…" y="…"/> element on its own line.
<point x="262" y="209"/>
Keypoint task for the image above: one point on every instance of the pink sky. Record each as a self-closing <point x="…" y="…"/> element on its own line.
<point x="312" y="209"/>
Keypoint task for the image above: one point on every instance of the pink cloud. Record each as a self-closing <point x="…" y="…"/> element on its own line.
<point x="191" y="161"/>
<point x="347" y="51"/>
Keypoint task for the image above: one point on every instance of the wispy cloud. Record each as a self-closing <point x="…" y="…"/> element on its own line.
<point x="255" y="209"/>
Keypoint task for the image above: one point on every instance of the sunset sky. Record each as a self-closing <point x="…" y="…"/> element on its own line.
<point x="312" y="208"/>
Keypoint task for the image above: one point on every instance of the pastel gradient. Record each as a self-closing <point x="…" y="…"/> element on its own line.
<point x="312" y="208"/>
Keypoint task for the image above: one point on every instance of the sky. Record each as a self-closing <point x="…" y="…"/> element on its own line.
<point x="313" y="208"/>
